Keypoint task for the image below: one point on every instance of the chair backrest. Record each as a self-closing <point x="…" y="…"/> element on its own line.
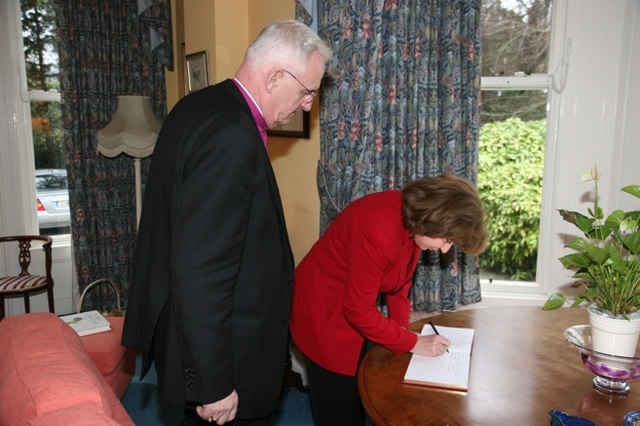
<point x="24" y="254"/>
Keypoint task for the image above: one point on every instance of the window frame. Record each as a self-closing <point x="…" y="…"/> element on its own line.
<point x="17" y="164"/>
<point x="537" y="291"/>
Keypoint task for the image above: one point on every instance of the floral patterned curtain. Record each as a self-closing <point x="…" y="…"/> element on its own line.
<point x="106" y="48"/>
<point x="401" y="103"/>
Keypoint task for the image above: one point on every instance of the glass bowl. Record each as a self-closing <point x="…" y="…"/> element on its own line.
<point x="613" y="372"/>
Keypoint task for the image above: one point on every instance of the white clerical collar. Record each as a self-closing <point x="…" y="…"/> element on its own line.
<point x="249" y="94"/>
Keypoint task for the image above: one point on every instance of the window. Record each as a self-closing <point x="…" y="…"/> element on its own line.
<point x="52" y="201"/>
<point x="41" y="60"/>
<point x="514" y="104"/>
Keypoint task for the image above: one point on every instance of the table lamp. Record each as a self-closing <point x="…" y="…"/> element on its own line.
<point x="133" y="130"/>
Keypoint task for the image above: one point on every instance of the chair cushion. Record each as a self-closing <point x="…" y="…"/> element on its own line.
<point x="20" y="283"/>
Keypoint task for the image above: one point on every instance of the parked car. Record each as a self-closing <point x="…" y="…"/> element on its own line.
<point x="52" y="201"/>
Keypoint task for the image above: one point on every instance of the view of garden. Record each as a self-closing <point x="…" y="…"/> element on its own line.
<point x="515" y="39"/>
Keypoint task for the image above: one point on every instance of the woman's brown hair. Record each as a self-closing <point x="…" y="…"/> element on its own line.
<point x="446" y="206"/>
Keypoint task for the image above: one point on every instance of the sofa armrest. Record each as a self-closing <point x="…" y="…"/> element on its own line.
<point x="117" y="363"/>
<point x="45" y="368"/>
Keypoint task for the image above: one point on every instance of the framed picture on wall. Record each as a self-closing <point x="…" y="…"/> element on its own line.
<point x="298" y="126"/>
<point x="197" y="71"/>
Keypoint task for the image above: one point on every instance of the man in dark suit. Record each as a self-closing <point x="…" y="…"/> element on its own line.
<point x="210" y="297"/>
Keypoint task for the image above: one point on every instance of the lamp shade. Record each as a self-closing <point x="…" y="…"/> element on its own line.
<point x="133" y="129"/>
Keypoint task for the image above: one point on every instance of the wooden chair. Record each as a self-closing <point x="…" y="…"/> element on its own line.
<point x="25" y="283"/>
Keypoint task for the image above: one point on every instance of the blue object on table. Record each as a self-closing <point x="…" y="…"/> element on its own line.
<point x="632" y="418"/>
<point x="560" y="418"/>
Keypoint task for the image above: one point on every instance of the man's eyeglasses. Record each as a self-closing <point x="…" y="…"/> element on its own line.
<point x="307" y="92"/>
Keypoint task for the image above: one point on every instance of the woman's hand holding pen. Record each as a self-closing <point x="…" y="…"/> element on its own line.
<point x="431" y="345"/>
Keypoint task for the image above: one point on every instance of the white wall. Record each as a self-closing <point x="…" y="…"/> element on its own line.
<point x="598" y="114"/>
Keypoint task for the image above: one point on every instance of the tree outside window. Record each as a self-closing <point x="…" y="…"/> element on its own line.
<point x="515" y="52"/>
<point x="41" y="60"/>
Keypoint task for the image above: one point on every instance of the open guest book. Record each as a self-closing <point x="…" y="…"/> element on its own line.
<point x="85" y="323"/>
<point x="449" y="371"/>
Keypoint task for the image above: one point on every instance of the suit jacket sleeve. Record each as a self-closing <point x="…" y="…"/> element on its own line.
<point x="209" y="234"/>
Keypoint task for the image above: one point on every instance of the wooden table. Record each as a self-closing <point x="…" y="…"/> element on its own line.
<point x="521" y="368"/>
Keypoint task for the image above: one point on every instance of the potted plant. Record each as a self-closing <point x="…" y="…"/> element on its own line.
<point x="607" y="264"/>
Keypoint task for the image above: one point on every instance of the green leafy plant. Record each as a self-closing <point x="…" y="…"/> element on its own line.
<point x="606" y="259"/>
<point x="510" y="185"/>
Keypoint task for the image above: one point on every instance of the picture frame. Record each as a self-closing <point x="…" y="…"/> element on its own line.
<point x="297" y="127"/>
<point x="197" y="71"/>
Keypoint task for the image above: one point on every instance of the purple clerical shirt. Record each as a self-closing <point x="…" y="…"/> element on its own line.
<point x="255" y="111"/>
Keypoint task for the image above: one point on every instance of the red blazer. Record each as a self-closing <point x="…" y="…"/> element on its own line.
<point x="364" y="252"/>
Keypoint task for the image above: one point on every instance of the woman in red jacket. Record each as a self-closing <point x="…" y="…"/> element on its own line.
<point x="373" y="247"/>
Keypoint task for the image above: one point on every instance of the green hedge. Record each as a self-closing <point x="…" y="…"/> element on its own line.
<point x="510" y="184"/>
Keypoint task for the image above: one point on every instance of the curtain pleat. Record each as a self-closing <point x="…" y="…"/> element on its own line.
<point x="401" y="103"/>
<point x="106" y="49"/>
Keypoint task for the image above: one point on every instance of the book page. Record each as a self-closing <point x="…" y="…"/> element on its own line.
<point x="461" y="338"/>
<point x="450" y="370"/>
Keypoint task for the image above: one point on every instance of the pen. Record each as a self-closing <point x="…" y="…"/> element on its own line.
<point x="435" y="330"/>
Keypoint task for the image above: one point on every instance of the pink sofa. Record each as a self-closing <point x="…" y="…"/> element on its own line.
<point x="116" y="362"/>
<point x="47" y="377"/>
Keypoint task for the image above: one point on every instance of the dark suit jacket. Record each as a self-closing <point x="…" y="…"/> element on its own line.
<point x="213" y="269"/>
